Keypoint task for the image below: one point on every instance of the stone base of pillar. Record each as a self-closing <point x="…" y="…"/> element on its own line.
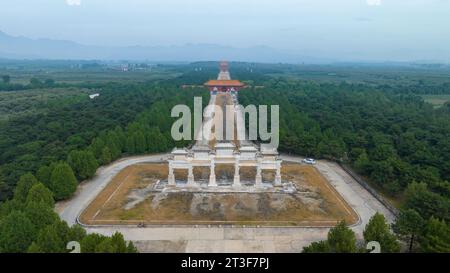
<point x="171" y="181"/>
<point x="212" y="181"/>
<point x="190" y="181"/>
<point x="258" y="181"/>
<point x="277" y="182"/>
<point x="237" y="181"/>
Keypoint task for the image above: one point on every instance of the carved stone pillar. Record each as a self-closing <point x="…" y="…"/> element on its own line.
<point x="212" y="175"/>
<point x="278" y="176"/>
<point x="258" y="179"/>
<point x="237" y="178"/>
<point x="190" y="181"/>
<point x="171" y="177"/>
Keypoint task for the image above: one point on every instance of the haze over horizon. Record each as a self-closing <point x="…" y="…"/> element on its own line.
<point x="352" y="30"/>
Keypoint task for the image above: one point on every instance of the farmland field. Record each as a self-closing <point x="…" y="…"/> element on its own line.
<point x="436" y="100"/>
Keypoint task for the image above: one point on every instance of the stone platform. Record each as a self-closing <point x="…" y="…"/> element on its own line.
<point x="245" y="187"/>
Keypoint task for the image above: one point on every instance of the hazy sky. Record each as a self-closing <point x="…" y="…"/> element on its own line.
<point x="367" y="29"/>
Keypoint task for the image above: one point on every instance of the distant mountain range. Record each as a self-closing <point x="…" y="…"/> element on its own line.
<point x="13" y="47"/>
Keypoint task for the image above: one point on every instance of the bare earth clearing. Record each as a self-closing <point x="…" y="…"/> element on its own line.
<point x="224" y="238"/>
<point x="131" y="199"/>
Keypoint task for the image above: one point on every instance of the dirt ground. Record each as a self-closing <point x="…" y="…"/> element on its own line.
<point x="130" y="199"/>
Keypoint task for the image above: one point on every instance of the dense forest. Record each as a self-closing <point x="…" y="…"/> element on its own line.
<point x="60" y="141"/>
<point x="122" y="120"/>
<point x="385" y="131"/>
<point x="396" y="140"/>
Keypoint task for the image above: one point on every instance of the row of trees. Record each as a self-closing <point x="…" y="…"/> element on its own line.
<point x="140" y="136"/>
<point x="28" y="222"/>
<point x="427" y="236"/>
<point x="397" y="141"/>
<point x="28" y="142"/>
<point x="342" y="239"/>
<point x="6" y="85"/>
<point x="393" y="140"/>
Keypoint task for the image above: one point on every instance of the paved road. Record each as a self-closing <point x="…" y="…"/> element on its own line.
<point x="224" y="239"/>
<point x="69" y="210"/>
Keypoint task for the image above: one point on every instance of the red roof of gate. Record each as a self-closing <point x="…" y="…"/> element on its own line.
<point x="234" y="83"/>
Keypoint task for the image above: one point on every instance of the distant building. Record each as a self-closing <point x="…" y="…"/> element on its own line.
<point x="224" y="83"/>
<point x="93" y="96"/>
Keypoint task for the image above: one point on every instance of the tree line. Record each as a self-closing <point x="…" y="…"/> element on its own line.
<point x="397" y="141"/>
<point x="28" y="142"/>
<point x="432" y="236"/>
<point x="27" y="220"/>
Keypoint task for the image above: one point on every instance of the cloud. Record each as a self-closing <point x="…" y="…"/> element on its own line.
<point x="73" y="2"/>
<point x="373" y="2"/>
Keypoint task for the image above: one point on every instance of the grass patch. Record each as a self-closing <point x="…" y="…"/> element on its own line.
<point x="436" y="100"/>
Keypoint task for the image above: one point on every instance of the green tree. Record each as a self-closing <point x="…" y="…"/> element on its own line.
<point x="83" y="163"/>
<point x="113" y="143"/>
<point x="362" y="163"/>
<point x="131" y="248"/>
<point x="4" y="190"/>
<point x="49" y="82"/>
<point x="120" y="245"/>
<point x="130" y="145"/>
<point x="436" y="236"/>
<point x="425" y="202"/>
<point x="409" y="225"/>
<point x="40" y="214"/>
<point x="106" y="156"/>
<point x="97" y="147"/>
<point x="317" y="247"/>
<point x="140" y="143"/>
<point x="6" y="79"/>
<point x="90" y="242"/>
<point x="378" y="230"/>
<point x="342" y="239"/>
<point x="26" y="182"/>
<point x="105" y="246"/>
<point x="122" y="138"/>
<point x="44" y="174"/>
<point x="66" y="233"/>
<point x="76" y="233"/>
<point x="63" y="182"/>
<point x="36" y="83"/>
<point x="34" y="248"/>
<point x="40" y="193"/>
<point x="9" y="206"/>
<point x="96" y="243"/>
<point x="48" y="241"/>
<point x="16" y="233"/>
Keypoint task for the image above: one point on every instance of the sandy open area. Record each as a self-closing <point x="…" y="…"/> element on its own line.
<point x="130" y="198"/>
<point x="220" y="238"/>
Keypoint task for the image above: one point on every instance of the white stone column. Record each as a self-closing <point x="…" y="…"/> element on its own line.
<point x="190" y="181"/>
<point x="212" y="175"/>
<point x="258" y="179"/>
<point x="278" y="176"/>
<point x="237" y="178"/>
<point x="171" y="177"/>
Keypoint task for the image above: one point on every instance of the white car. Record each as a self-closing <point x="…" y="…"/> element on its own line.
<point x="309" y="161"/>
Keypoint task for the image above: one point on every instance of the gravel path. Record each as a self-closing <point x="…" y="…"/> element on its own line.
<point x="70" y="210"/>
<point x="223" y="239"/>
